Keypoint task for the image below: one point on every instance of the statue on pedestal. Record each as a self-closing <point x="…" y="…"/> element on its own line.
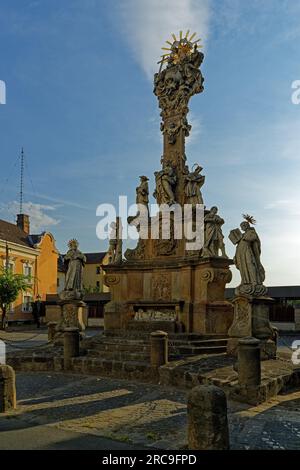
<point x="247" y="259"/>
<point x="193" y="184"/>
<point x="73" y="309"/>
<point x="213" y="236"/>
<point x="251" y="303"/>
<point x="75" y="261"/>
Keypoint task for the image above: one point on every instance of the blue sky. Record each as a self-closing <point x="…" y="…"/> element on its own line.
<point x="79" y="99"/>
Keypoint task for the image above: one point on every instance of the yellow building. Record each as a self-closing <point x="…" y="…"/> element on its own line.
<point x="93" y="273"/>
<point x="32" y="255"/>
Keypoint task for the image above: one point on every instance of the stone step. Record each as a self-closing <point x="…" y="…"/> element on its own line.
<point x="202" y="342"/>
<point x="119" y="355"/>
<point x="196" y="337"/>
<point x="210" y="342"/>
<point x="131" y="349"/>
<point x="144" y="335"/>
<point x="191" y="350"/>
<point x="121" y="340"/>
<point x="140" y="348"/>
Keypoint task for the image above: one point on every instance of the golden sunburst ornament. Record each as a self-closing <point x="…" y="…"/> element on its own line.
<point x="179" y="48"/>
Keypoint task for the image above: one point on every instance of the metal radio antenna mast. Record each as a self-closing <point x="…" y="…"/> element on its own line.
<point x="22" y="181"/>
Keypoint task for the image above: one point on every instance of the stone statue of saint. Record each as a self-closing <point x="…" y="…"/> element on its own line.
<point x="247" y="260"/>
<point x="115" y="242"/>
<point x="142" y="191"/>
<point x="165" y="181"/>
<point x="213" y="236"/>
<point x="193" y="184"/>
<point x="75" y="261"/>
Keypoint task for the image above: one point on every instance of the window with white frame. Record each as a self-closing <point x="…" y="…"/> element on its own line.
<point x="27" y="269"/>
<point x="10" y="265"/>
<point x="27" y="303"/>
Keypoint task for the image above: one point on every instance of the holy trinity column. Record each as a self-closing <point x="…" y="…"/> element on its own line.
<point x="178" y="79"/>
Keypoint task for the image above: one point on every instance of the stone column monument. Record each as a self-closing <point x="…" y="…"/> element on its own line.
<point x="251" y="302"/>
<point x="161" y="285"/>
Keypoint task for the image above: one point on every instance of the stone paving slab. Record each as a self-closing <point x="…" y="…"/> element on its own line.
<point x="145" y="415"/>
<point x="43" y="437"/>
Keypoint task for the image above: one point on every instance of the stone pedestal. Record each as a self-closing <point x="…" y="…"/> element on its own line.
<point x="251" y="319"/>
<point x="297" y="319"/>
<point x="73" y="314"/>
<point x="8" y="398"/>
<point x="51" y="331"/>
<point x="207" y="419"/>
<point x="249" y="367"/>
<point x="189" y="291"/>
<point x="71" y="345"/>
<point x="158" y="348"/>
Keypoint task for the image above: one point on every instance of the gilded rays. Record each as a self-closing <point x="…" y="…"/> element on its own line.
<point x="180" y="47"/>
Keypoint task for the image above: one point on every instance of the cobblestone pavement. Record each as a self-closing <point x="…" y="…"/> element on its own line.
<point x="144" y="415"/>
<point x="27" y="337"/>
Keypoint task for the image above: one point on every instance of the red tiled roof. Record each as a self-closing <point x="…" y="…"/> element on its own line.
<point x="12" y="233"/>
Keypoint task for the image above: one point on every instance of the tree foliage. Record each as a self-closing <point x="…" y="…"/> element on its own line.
<point x="10" y="286"/>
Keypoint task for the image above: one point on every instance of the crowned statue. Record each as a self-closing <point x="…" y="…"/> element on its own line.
<point x="74" y="261"/>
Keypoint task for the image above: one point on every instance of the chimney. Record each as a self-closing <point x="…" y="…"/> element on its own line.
<point x="23" y="223"/>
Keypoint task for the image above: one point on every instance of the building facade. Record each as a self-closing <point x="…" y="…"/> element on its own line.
<point x="32" y="255"/>
<point x="93" y="273"/>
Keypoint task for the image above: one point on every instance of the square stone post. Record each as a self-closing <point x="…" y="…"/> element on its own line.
<point x="251" y="319"/>
<point x="207" y="419"/>
<point x="8" y="398"/>
<point x="158" y="348"/>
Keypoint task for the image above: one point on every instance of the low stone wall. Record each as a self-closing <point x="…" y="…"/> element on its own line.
<point x="117" y="369"/>
<point x="36" y="363"/>
<point x="86" y="365"/>
<point x="277" y="376"/>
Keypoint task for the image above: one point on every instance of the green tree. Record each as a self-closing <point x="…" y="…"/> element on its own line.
<point x="10" y="286"/>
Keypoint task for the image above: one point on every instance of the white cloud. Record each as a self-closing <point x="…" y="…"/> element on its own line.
<point x="148" y="24"/>
<point x="290" y="206"/>
<point x="196" y="131"/>
<point x="39" y="219"/>
<point x="60" y="202"/>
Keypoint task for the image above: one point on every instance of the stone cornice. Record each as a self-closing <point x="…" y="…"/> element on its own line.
<point x="19" y="249"/>
<point x="170" y="263"/>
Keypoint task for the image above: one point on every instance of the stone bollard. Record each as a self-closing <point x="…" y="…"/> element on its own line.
<point x="207" y="419"/>
<point x="8" y="399"/>
<point x="71" y="345"/>
<point x="249" y="369"/>
<point x="51" y="331"/>
<point x="158" y="348"/>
